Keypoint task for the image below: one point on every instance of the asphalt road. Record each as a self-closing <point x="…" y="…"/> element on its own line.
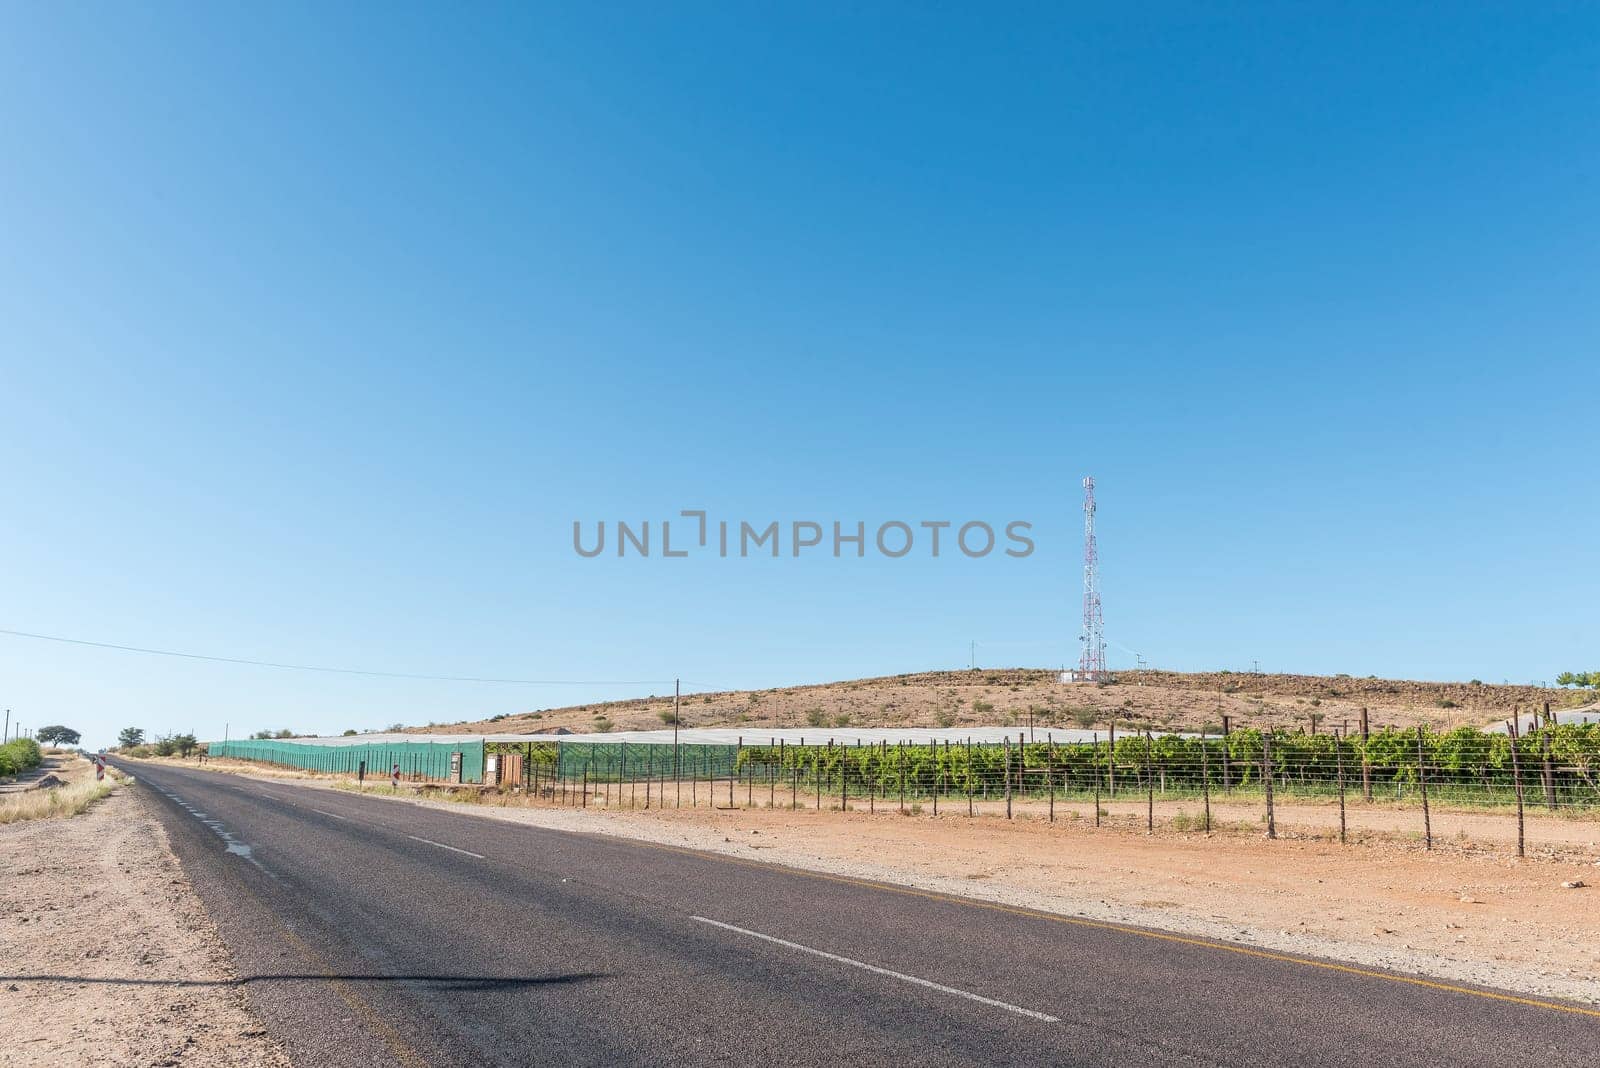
<point x="375" y="933"/>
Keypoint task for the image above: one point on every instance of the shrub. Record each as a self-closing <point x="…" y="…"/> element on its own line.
<point x="842" y="719"/>
<point x="816" y="717"/>
<point x="19" y="754"/>
<point x="603" y="725"/>
<point x="945" y="717"/>
<point x="667" y="716"/>
<point x="982" y="708"/>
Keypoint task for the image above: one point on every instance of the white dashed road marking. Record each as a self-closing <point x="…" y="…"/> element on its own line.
<point x="873" y="968"/>
<point x="441" y="845"/>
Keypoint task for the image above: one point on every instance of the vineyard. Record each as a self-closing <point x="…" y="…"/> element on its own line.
<point x="1558" y="766"/>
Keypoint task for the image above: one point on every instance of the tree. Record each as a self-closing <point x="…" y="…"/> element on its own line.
<point x="130" y="737"/>
<point x="165" y="745"/>
<point x="1590" y="679"/>
<point x="58" y="735"/>
<point x="184" y="743"/>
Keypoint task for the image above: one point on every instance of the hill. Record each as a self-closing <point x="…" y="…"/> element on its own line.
<point x="1017" y="696"/>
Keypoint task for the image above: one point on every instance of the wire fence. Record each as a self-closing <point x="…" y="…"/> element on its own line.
<point x="1550" y="768"/>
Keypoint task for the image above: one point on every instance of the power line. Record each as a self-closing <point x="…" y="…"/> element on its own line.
<point x="332" y="670"/>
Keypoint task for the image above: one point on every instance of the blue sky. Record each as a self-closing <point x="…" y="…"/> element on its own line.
<point x="319" y="328"/>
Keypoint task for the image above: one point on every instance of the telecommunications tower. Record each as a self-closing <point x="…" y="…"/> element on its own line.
<point x="1092" y="662"/>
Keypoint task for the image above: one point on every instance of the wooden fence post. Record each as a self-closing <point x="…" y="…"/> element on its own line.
<point x="1205" y="777"/>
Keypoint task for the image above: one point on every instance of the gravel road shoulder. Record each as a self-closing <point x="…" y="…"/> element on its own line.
<point x="108" y="956"/>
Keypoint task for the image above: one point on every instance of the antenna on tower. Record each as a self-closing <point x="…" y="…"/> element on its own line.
<point x="1092" y="661"/>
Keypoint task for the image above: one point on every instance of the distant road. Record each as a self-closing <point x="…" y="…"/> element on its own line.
<point x="375" y="933"/>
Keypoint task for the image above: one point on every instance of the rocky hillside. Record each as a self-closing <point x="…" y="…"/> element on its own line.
<point x="1017" y="696"/>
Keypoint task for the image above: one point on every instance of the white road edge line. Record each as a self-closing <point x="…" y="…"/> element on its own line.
<point x="930" y="984"/>
<point x="335" y="815"/>
<point x="441" y="845"/>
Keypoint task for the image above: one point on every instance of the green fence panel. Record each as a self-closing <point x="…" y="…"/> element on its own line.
<point x="429" y="760"/>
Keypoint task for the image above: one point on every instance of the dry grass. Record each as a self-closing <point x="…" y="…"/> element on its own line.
<point x="69" y="800"/>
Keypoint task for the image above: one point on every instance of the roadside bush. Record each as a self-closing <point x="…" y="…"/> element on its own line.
<point x="19" y="755"/>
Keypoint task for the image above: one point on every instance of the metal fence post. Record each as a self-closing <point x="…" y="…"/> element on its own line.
<point x="1338" y="753"/>
<point x="1007" y="775"/>
<point x="1266" y="778"/>
<point x="1050" y="773"/>
<point x="1227" y="768"/>
<point x="1111" y="761"/>
<point x="844" y="776"/>
<point x="1514" y="729"/>
<point x="969" y="776"/>
<point x="1150" y="789"/>
<point x="1366" y="760"/>
<point x="1094" y="765"/>
<point x="1422" y="780"/>
<point x="1549" y="770"/>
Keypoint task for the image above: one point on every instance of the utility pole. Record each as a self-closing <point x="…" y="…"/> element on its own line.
<point x="972" y="656"/>
<point x="1257" y="664"/>
<point x="677" y="685"/>
<point x="6" y="737"/>
<point x="1140" y="660"/>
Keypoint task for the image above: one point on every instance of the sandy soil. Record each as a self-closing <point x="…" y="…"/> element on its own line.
<point x="1017" y="696"/>
<point x="91" y="903"/>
